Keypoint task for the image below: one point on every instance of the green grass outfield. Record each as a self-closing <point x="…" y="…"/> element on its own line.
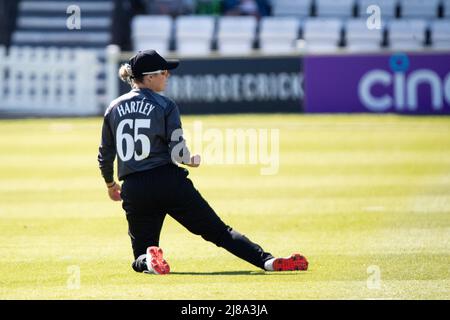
<point x="355" y="194"/>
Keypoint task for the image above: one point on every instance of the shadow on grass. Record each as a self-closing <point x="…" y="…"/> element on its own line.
<point x="238" y="273"/>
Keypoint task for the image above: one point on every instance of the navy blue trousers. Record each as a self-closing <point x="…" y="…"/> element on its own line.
<point x="149" y="195"/>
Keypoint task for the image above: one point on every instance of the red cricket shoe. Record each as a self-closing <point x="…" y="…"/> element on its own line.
<point x="295" y="262"/>
<point x="155" y="262"/>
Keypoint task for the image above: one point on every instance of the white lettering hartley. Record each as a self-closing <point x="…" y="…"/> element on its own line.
<point x="135" y="107"/>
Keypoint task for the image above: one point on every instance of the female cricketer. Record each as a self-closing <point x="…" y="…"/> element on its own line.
<point x="143" y="129"/>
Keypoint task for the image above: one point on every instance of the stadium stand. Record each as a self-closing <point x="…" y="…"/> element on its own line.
<point x="299" y="8"/>
<point x="208" y="7"/>
<point x="335" y="8"/>
<point x="236" y="34"/>
<point x="407" y="34"/>
<point x="153" y="31"/>
<point x="322" y="34"/>
<point x="257" y="8"/>
<point x="440" y="34"/>
<point x="170" y="7"/>
<point x="419" y="8"/>
<point x="175" y="27"/>
<point x="388" y="8"/>
<point x="43" y="23"/>
<point x="123" y="14"/>
<point x="278" y="34"/>
<point x="446" y="8"/>
<point x="360" y="38"/>
<point x="194" y="34"/>
<point x="8" y="12"/>
<point x="60" y="26"/>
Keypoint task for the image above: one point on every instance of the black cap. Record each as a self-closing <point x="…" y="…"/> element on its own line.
<point x="149" y="61"/>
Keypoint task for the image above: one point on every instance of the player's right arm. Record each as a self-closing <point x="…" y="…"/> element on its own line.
<point x="106" y="156"/>
<point x="195" y="161"/>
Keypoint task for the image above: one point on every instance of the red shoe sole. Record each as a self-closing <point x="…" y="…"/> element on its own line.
<point x="293" y="263"/>
<point x="155" y="259"/>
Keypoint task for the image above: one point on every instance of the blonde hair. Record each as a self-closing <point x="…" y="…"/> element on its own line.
<point x="126" y="75"/>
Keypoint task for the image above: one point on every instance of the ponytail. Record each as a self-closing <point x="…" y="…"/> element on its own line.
<point x="126" y="74"/>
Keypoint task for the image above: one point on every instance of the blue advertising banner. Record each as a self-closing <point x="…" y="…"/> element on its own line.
<point x="416" y="83"/>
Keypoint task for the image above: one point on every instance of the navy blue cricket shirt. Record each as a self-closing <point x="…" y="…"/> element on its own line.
<point x="143" y="128"/>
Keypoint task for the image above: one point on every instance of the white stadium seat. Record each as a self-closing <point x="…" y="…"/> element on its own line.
<point x="151" y="32"/>
<point x="407" y="34"/>
<point x="419" y="8"/>
<point x="236" y="34"/>
<point x="446" y="4"/>
<point x="360" y="38"/>
<point x="440" y="34"/>
<point x="298" y="8"/>
<point x="387" y="7"/>
<point x="321" y="34"/>
<point x="278" y="34"/>
<point x="194" y="34"/>
<point x="335" y="8"/>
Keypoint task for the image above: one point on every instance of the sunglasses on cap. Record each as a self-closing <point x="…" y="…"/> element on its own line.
<point x="163" y="72"/>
